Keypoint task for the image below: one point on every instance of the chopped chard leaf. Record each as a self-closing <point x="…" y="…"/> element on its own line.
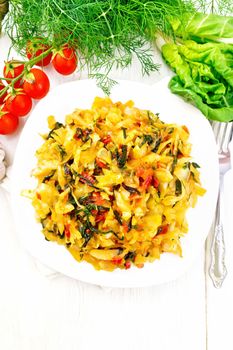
<point x="83" y="135"/>
<point x="58" y="187"/>
<point x="130" y="256"/>
<point x="48" y="177"/>
<point x="61" y="150"/>
<point x="195" y="165"/>
<point x="67" y="170"/>
<point x="79" y="133"/>
<point x="147" y="139"/>
<point x="130" y="224"/>
<point x="188" y="165"/>
<point x="117" y="216"/>
<point x="124" y="132"/>
<point x="178" y="190"/>
<point x="174" y="164"/>
<point x="72" y="200"/>
<point x="57" y="126"/>
<point x="87" y="181"/>
<point x="61" y="235"/>
<point x="156" y="146"/>
<point x="170" y="131"/>
<point x="130" y="189"/>
<point x="122" y="158"/>
<point x="84" y="200"/>
<point x="86" y="234"/>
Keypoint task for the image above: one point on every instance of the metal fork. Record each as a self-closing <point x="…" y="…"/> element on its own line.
<point x="218" y="270"/>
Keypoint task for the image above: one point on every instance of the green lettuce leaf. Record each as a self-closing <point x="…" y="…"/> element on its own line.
<point x="210" y="54"/>
<point x="205" y="26"/>
<point x="224" y="114"/>
<point x="204" y="76"/>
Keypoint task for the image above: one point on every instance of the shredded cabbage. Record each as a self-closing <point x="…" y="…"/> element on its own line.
<point x="114" y="185"/>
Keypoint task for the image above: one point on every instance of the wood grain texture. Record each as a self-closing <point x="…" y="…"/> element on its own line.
<point x="219" y="301"/>
<point x="41" y="310"/>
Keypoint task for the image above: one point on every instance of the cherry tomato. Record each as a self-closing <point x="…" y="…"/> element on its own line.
<point x="35" y="48"/>
<point x="13" y="69"/>
<point x="65" y="60"/>
<point x="2" y="86"/>
<point x="8" y="122"/>
<point x="36" y="84"/>
<point x="19" y="104"/>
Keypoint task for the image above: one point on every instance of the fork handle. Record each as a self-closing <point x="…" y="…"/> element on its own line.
<point x="218" y="269"/>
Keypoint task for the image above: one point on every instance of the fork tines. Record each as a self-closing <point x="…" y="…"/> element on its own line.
<point x="223" y="134"/>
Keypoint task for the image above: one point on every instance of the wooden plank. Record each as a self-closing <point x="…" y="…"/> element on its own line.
<point x="219" y="301"/>
<point x="41" y="312"/>
<point x="63" y="313"/>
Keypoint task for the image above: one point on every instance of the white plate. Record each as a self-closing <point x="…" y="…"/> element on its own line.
<point x="80" y="94"/>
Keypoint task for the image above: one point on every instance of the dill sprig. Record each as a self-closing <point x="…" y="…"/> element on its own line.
<point x="107" y="33"/>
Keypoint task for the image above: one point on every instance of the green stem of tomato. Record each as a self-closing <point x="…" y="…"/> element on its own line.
<point x="30" y="63"/>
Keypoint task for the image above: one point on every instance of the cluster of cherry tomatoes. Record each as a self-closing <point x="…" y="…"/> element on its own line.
<point x="25" y="82"/>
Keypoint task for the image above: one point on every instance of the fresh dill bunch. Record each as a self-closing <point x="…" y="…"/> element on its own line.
<point x="107" y="33"/>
